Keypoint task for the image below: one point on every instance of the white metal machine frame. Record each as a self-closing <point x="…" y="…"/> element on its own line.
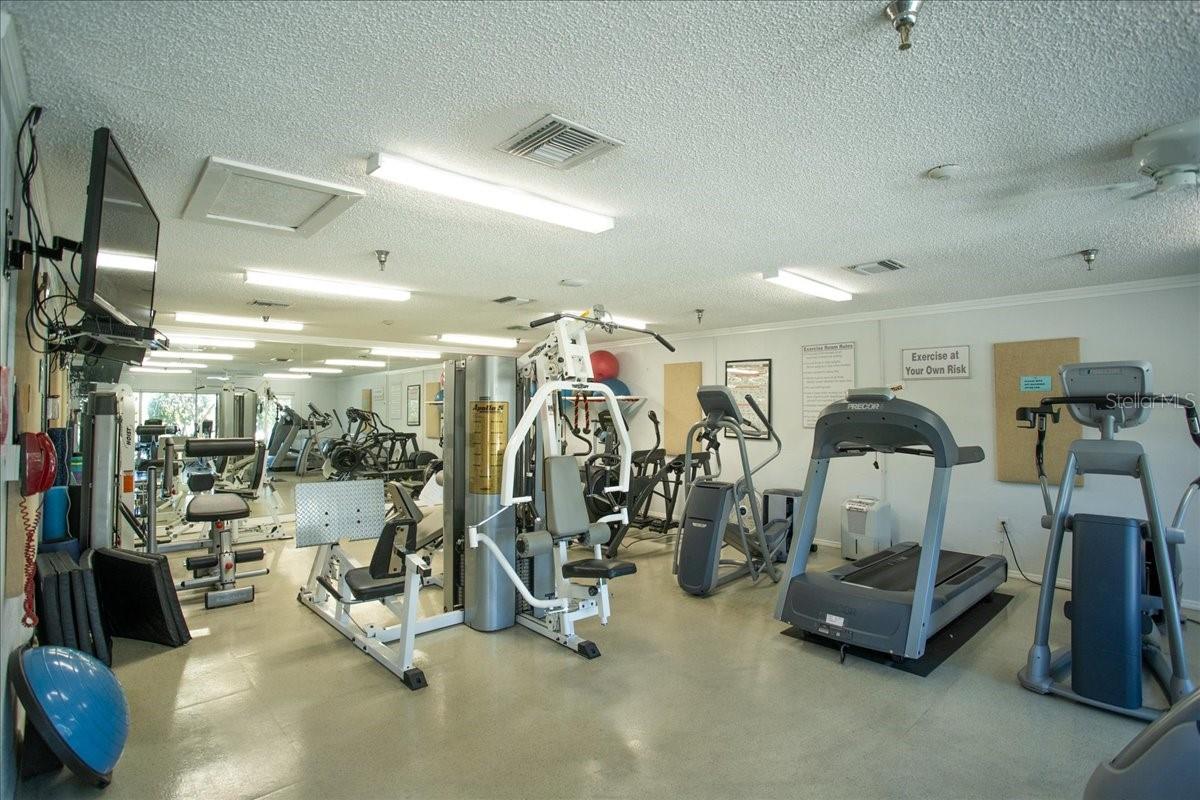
<point x="327" y="514"/>
<point x="560" y="363"/>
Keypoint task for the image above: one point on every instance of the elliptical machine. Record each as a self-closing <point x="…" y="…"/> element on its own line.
<point x="764" y="539"/>
<point x="1125" y="573"/>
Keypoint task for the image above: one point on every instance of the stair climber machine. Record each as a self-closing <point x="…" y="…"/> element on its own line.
<point x="895" y="600"/>
<point x="513" y="502"/>
<point x="762" y="526"/>
<point x="1126" y="574"/>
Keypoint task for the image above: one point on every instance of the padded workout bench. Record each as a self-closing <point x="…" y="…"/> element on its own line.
<point x="217" y="570"/>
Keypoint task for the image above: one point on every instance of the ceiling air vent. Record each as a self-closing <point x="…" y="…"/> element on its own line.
<point x="229" y="193"/>
<point x="509" y="299"/>
<point x="877" y="267"/>
<point x="558" y="143"/>
<point x="268" y="304"/>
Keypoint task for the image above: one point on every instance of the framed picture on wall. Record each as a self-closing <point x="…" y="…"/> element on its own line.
<point x="414" y="404"/>
<point x="751" y="376"/>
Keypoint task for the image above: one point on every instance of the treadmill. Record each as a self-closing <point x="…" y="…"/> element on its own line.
<point x="894" y="600"/>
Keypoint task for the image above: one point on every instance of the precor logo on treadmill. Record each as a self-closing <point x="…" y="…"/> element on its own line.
<point x="863" y="406"/>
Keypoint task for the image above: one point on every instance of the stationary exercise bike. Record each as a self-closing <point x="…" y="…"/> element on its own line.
<point x="761" y="533"/>
<point x="1126" y="577"/>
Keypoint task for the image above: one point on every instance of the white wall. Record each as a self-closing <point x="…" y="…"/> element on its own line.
<point x="347" y="392"/>
<point x="1156" y="321"/>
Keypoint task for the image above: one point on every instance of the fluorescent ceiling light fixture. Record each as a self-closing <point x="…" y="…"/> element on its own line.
<point x="196" y="340"/>
<point x="407" y="172"/>
<point x="288" y="376"/>
<point x="160" y="370"/>
<point x="106" y="259"/>
<point x="628" y="322"/>
<point x="175" y="354"/>
<point x="308" y="283"/>
<point x="238" y="322"/>
<point x="799" y="283"/>
<point x="218" y="377"/>
<point x="319" y="370"/>
<point x="478" y="341"/>
<point x="404" y="352"/>
<point x="188" y="365"/>
<point x="354" y="362"/>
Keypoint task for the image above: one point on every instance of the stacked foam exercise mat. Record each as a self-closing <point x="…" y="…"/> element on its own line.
<point x="109" y="593"/>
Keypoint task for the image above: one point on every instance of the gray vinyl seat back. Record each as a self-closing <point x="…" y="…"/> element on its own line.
<point x="566" y="512"/>
<point x="1104" y="378"/>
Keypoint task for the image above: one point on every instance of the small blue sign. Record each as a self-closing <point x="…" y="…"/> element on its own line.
<point x="1035" y="383"/>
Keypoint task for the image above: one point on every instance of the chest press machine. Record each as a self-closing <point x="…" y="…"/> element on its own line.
<point x="499" y="567"/>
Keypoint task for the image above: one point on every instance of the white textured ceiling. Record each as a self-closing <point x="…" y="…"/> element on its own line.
<point x="757" y="135"/>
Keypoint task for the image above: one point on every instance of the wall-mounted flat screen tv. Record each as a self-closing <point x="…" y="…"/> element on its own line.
<point x="119" y="254"/>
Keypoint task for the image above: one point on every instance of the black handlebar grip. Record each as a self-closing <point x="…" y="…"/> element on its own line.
<point x="663" y="341"/>
<point x="537" y="323"/>
<point x="754" y="405"/>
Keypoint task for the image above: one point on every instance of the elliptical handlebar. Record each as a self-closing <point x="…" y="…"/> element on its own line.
<point x="769" y="429"/>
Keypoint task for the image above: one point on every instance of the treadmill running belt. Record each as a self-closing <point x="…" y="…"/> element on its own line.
<point x="899" y="573"/>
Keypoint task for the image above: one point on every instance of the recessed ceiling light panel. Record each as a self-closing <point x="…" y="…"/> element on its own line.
<point x="325" y="286"/>
<point x="405" y="171"/>
<point x="198" y="318"/>
<point x="799" y="283"/>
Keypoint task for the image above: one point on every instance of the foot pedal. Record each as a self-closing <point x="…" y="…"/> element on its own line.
<point x="219" y="598"/>
<point x="200" y="563"/>
<point x="414" y="679"/>
<point x="588" y="649"/>
<point x="247" y="554"/>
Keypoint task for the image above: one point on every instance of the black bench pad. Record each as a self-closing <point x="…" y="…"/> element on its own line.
<point x="594" y="568"/>
<point x="213" y="507"/>
<point x="364" y="587"/>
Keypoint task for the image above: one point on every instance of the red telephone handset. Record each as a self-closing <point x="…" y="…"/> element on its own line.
<point x="38" y="463"/>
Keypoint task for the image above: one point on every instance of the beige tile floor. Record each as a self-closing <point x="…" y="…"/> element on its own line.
<point x="692" y="698"/>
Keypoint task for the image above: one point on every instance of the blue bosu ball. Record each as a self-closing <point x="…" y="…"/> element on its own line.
<point x="76" y="705"/>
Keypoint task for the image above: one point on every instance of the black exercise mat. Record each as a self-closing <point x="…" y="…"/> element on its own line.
<point x="83" y="628"/>
<point x="50" y="630"/>
<point x="943" y="645"/>
<point x="101" y="640"/>
<point x="135" y="601"/>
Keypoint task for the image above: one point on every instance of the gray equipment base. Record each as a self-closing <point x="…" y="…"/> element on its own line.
<point x="1161" y="762"/>
<point x="868" y="603"/>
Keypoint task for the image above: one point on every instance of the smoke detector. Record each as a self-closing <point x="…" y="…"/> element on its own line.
<point x="558" y="143"/>
<point x="877" y="267"/>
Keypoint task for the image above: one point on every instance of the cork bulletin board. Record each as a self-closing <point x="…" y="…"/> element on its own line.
<point x="433" y="411"/>
<point x="1025" y="372"/>
<point x="681" y="409"/>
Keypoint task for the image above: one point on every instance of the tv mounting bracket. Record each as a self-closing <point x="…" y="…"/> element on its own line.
<point x="19" y="248"/>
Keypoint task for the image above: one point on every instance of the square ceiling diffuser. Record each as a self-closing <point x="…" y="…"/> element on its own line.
<point x="230" y="193"/>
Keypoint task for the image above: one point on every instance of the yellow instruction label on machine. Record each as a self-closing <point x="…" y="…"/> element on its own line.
<point x="489" y="435"/>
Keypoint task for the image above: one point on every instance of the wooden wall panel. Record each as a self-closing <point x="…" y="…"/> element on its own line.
<point x="681" y="410"/>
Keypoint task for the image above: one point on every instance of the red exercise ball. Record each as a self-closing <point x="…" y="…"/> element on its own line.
<point x="605" y="365"/>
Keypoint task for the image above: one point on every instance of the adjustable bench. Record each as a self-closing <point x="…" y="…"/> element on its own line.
<point x="217" y="571"/>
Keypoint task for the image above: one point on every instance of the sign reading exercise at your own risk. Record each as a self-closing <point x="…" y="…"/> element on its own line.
<point x="934" y="363"/>
<point x="827" y="371"/>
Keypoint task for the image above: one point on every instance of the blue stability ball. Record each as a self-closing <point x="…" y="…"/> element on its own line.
<point x="618" y="386"/>
<point x="77" y="706"/>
